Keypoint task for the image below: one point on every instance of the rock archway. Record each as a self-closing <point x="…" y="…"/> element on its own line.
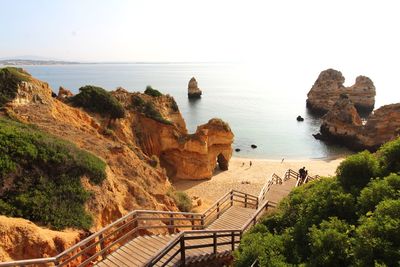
<point x="222" y="162"/>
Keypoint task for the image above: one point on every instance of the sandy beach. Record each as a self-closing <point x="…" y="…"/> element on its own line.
<point x="250" y="179"/>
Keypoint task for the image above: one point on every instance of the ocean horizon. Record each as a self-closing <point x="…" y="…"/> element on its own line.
<point x="260" y="109"/>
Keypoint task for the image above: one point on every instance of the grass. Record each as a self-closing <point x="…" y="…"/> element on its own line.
<point x="40" y="177"/>
<point x="182" y="200"/>
<point x="98" y="100"/>
<point x="152" y="92"/>
<point x="9" y="80"/>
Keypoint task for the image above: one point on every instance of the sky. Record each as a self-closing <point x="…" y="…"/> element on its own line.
<point x="291" y="38"/>
<point x="358" y="32"/>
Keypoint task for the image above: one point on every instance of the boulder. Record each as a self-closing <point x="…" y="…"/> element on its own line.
<point x="237" y="149"/>
<point x="253" y="146"/>
<point x="300" y="118"/>
<point x="193" y="89"/>
<point x="329" y="86"/>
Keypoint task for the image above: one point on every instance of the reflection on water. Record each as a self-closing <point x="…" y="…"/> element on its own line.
<point x="260" y="110"/>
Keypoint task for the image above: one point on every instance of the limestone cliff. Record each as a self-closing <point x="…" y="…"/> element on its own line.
<point x="329" y="86"/>
<point x="152" y="128"/>
<point x="183" y="155"/>
<point x="342" y="124"/>
<point x="193" y="89"/>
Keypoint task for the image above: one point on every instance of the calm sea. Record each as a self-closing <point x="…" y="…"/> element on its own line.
<point x="261" y="108"/>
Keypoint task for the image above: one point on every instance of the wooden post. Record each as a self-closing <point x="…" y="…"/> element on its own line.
<point x="217" y="209"/>
<point x="192" y="222"/>
<point x="245" y="200"/>
<point x="202" y="221"/>
<point x="233" y="241"/>
<point x="257" y="204"/>
<point x="103" y="254"/>
<point x="171" y="222"/>
<point x="183" y="256"/>
<point x="231" y="198"/>
<point x="215" y="243"/>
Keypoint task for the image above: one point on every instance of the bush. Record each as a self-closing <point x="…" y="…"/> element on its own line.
<point x="357" y="170"/>
<point x="151" y="112"/>
<point x="152" y="92"/>
<point x="377" y="238"/>
<point x="330" y="244"/>
<point x="267" y="248"/>
<point x="43" y="174"/>
<point x="389" y="157"/>
<point x="9" y="80"/>
<point x="182" y="200"/>
<point x="377" y="191"/>
<point x="98" y="100"/>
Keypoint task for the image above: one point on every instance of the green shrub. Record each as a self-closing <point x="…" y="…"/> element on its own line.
<point x="182" y="200"/>
<point x="357" y="170"/>
<point x="330" y="244"/>
<point x="152" y="92"/>
<point x="377" y="191"/>
<point x="148" y="109"/>
<point x="9" y="80"/>
<point x="266" y="248"/>
<point x="43" y="174"/>
<point x="389" y="157"/>
<point x="98" y="100"/>
<point x="378" y="236"/>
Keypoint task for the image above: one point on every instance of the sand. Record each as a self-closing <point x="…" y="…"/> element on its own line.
<point x="250" y="179"/>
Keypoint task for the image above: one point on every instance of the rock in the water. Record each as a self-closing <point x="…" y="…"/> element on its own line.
<point x="237" y="149"/>
<point x="343" y="125"/>
<point x="329" y="86"/>
<point x="193" y="89"/>
<point x="300" y="118"/>
<point x="253" y="146"/>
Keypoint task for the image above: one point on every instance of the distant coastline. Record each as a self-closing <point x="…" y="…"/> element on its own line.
<point x="24" y="62"/>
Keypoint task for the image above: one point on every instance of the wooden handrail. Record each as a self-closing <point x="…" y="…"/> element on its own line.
<point x="29" y="262"/>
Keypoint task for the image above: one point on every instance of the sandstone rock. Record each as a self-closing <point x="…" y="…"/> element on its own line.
<point x="193" y="89"/>
<point x="329" y="86"/>
<point x="64" y="94"/>
<point x="343" y="125"/>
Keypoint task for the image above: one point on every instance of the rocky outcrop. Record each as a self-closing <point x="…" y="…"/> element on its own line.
<point x="193" y="89"/>
<point x="183" y="155"/>
<point x="329" y="86"/>
<point x="64" y="94"/>
<point x="22" y="237"/>
<point x="343" y="125"/>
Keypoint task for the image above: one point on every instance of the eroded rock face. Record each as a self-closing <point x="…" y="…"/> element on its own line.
<point x="193" y="89"/>
<point x="343" y="125"/>
<point x="64" y="94"/>
<point x="329" y="86"/>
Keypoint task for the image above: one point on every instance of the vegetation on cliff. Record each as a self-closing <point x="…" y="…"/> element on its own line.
<point x="148" y="109"/>
<point x="349" y="220"/>
<point x="9" y="80"/>
<point x="98" y="100"/>
<point x="182" y="200"/>
<point x="40" y="177"/>
<point x="152" y="92"/>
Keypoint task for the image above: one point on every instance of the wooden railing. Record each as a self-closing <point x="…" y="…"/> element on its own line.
<point x="139" y="222"/>
<point x="275" y="179"/>
<point x="227" y="201"/>
<point x="178" y="246"/>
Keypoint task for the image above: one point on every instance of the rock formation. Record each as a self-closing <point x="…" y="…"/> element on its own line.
<point x="152" y="129"/>
<point x="183" y="155"/>
<point x="343" y="125"/>
<point x="64" y="94"/>
<point x="193" y="89"/>
<point x="329" y="86"/>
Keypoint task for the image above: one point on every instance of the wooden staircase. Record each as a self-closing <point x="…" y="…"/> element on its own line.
<point x="185" y="239"/>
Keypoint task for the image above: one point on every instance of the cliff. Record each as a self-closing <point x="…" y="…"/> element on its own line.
<point x="342" y="124"/>
<point x="329" y="86"/>
<point x="150" y="130"/>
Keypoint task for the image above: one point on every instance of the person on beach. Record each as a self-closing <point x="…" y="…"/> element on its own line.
<point x="242" y="164"/>
<point x="251" y="163"/>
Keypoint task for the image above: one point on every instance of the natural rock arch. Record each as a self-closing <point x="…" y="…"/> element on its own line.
<point x="223" y="163"/>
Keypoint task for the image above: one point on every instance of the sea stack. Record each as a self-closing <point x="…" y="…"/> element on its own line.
<point x="329" y="86"/>
<point x="193" y="90"/>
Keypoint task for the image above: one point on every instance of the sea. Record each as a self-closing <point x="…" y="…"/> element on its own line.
<point x="260" y="106"/>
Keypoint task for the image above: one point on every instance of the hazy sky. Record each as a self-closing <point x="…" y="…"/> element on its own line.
<point x="281" y="32"/>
